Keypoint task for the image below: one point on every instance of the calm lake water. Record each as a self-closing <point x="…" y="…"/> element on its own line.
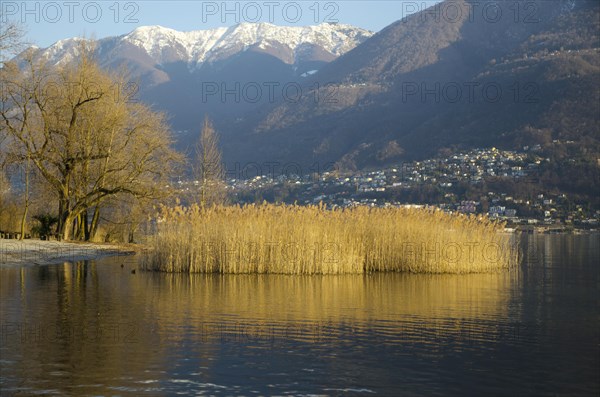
<point x="93" y="328"/>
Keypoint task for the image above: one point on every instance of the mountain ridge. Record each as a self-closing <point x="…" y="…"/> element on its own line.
<point x="540" y="67"/>
<point x="549" y="72"/>
<point x="164" y="45"/>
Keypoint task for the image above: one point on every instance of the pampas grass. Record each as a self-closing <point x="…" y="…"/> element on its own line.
<point x="315" y="240"/>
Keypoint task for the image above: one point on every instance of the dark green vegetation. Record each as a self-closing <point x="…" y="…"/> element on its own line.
<point x="45" y="227"/>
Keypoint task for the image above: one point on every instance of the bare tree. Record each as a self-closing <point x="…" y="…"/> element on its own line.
<point x="209" y="166"/>
<point x="11" y="40"/>
<point x="85" y="136"/>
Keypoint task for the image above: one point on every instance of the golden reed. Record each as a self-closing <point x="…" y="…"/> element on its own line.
<point x="284" y="239"/>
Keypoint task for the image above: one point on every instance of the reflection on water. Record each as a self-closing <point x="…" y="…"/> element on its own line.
<point x="95" y="328"/>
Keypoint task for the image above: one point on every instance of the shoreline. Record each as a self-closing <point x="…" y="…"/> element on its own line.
<point x="33" y="252"/>
<point x="14" y="253"/>
<point x="550" y="229"/>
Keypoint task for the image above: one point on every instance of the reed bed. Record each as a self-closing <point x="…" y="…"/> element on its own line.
<point x="284" y="239"/>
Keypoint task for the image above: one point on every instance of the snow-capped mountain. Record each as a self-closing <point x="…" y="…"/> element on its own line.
<point x="201" y="46"/>
<point x="173" y="69"/>
<point x="292" y="44"/>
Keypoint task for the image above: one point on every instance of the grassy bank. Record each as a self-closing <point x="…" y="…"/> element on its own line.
<point x="314" y="240"/>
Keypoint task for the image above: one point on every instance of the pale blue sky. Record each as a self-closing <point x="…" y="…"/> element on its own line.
<point x="49" y="21"/>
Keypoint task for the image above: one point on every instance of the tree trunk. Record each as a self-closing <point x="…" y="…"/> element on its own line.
<point x="86" y="231"/>
<point x="26" y="209"/>
<point x="67" y="227"/>
<point x="86" y="226"/>
<point x="64" y="230"/>
<point x="78" y="228"/>
<point x="94" y="225"/>
<point x="24" y="220"/>
<point x="62" y="218"/>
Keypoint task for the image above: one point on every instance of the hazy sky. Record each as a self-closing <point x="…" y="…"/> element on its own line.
<point x="49" y="21"/>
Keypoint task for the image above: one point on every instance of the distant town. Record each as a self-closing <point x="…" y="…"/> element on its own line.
<point x="453" y="184"/>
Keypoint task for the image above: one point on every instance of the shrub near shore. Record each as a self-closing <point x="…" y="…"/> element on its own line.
<point x="315" y="240"/>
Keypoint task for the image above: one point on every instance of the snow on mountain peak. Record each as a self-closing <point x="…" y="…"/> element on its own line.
<point x="200" y="46"/>
<point x="63" y="51"/>
<point x="164" y="45"/>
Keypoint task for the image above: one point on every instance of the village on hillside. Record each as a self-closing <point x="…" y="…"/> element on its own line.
<point x="453" y="184"/>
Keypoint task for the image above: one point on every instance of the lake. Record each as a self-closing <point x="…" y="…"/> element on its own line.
<point x="94" y="328"/>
